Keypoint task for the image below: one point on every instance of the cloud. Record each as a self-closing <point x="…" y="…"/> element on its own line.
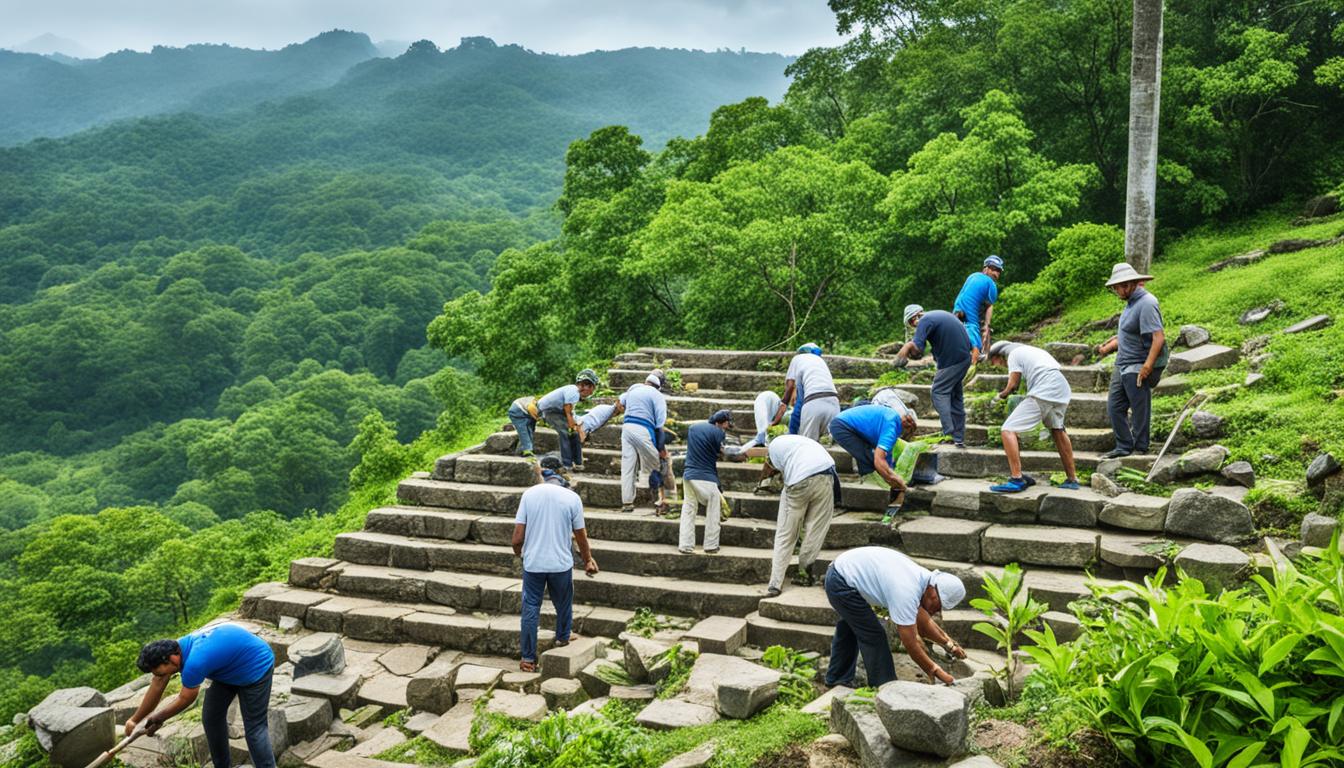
<point x="554" y="26"/>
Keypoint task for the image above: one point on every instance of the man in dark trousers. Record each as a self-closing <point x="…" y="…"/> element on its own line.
<point x="237" y="663"/>
<point x="864" y="577"/>
<point x="1140" y="347"/>
<point x="952" y="352"/>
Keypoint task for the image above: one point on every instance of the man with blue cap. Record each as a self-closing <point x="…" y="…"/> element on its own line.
<point x="809" y="388"/>
<point x="700" y="480"/>
<point x="861" y="578"/>
<point x="549" y="515"/>
<point x="975" y="303"/>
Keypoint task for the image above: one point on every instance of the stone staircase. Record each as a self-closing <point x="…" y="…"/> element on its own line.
<point x="437" y="569"/>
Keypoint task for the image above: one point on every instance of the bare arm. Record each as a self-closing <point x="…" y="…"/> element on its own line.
<point x="887" y="473"/>
<point x="585" y="551"/>
<point x="907" y="351"/>
<point x="929" y="630"/>
<point x="910" y="639"/>
<point x="1014" y="379"/>
<point x="519" y="533"/>
<point x="989" y="313"/>
<point x="790" y="389"/>
<point x="185" y="698"/>
<point x="153" y="694"/>
<point x="569" y="417"/>
<point x="1159" y="339"/>
<point x="1108" y="346"/>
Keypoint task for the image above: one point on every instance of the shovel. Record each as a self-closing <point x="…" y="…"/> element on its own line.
<point x="107" y="756"/>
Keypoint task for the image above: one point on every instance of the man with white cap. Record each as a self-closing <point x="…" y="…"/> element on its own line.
<point x="1141" y="355"/>
<point x="809" y="388"/>
<point x="952" y="352"/>
<point x="641" y="441"/>
<point x="1047" y="400"/>
<point x="975" y="303"/>
<point x="767" y="414"/>
<point x="861" y="578"/>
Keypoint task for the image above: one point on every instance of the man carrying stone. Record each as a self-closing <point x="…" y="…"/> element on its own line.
<point x="870" y="433"/>
<point x="864" y="577"/>
<point x="237" y="663"/>
<point x="952" y="352"/>
<point x="641" y="440"/>
<point x="811" y="491"/>
<point x="549" y="515"/>
<point x="557" y="408"/>
<point x="1140" y="347"/>
<point x="975" y="304"/>
<point x="809" y="388"/>
<point x="700" y="480"/>
<point x="1047" y="400"/>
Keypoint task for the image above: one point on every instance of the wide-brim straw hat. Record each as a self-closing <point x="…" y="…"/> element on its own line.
<point x="1124" y="273"/>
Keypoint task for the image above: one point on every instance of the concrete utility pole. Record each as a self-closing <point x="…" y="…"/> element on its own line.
<point x="1145" y="96"/>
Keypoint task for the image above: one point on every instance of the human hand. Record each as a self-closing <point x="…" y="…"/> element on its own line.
<point x="1000" y="396"/>
<point x="590" y="567"/>
<point x="901" y="361"/>
<point x="1145" y="372"/>
<point x="130" y="727"/>
<point x="152" y="723"/>
<point x="943" y="677"/>
<point x="956" y="650"/>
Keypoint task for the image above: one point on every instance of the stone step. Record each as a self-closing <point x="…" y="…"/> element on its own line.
<point x="852" y="529"/>
<point x="732" y="565"/>
<point x="756" y="360"/>
<point x="742" y="382"/>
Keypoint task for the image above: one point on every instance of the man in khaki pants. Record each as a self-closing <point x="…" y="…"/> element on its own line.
<point x="811" y="489"/>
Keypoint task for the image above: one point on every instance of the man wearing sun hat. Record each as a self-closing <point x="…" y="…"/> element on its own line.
<point x="975" y="303"/>
<point x="861" y="578"/>
<point x="1140" y="347"/>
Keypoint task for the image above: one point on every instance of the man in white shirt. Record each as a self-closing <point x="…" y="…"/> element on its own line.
<point x="767" y="414"/>
<point x="1046" y="403"/>
<point x="864" y="577"/>
<point x="549" y="514"/>
<point x="809" y="388"/>
<point x="642" y="440"/>
<point x="811" y="489"/>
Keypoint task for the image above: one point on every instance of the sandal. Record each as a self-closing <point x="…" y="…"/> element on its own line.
<point x="527" y="666"/>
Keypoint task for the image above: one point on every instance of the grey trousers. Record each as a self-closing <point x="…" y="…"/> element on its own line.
<point x="947" y="399"/>
<point x="805" y="507"/>
<point x="1131" y="409"/>
<point x="639" y="457"/>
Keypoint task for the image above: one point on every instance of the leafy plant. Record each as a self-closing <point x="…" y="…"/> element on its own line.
<point x="1010" y="612"/>
<point x="565" y="741"/>
<point x="797" y="673"/>
<point x="646" y="623"/>
<point x="679" y="661"/>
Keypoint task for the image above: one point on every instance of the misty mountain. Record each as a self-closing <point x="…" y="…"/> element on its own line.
<point x="53" y="45"/>
<point x="48" y="96"/>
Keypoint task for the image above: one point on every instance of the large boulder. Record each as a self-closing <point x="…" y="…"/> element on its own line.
<point x="1206" y="426"/>
<point x="1241" y="473"/>
<point x="1219" y="566"/>
<point x="1321" y="467"/>
<point x="749" y="690"/>
<point x="1192" y="336"/>
<point x="1209" y="517"/>
<point x="924" y="718"/>
<point x="73" y="726"/>
<point x="306" y="718"/>
<point x="670" y="714"/>
<point x="1318" y="530"/>
<point x="1202" y="461"/>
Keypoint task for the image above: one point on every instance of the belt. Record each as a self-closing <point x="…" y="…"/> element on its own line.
<point x="821" y="396"/>
<point x="531" y="407"/>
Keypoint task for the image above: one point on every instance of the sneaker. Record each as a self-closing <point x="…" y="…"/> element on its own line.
<point x="686" y="550"/>
<point x="1030" y="481"/>
<point x="772" y="592"/>
<point x="528" y="455"/>
<point x="1115" y="453"/>
<point x="959" y="446"/>
<point x="1070" y="485"/>
<point x="1014" y="485"/>
<point x="562" y="643"/>
<point x="627" y="508"/>
<point x="578" y="467"/>
<point x="890" y="516"/>
<point x="713" y="551"/>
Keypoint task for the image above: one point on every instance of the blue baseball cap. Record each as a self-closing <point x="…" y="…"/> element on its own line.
<point x="994" y="261"/>
<point x="722" y="415"/>
<point x="809" y="347"/>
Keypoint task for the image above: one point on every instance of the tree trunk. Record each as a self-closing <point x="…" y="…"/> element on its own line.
<point x="1145" y="92"/>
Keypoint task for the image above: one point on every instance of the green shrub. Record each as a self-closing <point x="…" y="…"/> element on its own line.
<point x="796" y="675"/>
<point x="1175" y="677"/>
<point x="1080" y="260"/>
<point x="565" y="741"/>
<point x="1010" y="611"/>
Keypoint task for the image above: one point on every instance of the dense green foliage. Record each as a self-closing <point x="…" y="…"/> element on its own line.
<point x="1177" y="677"/>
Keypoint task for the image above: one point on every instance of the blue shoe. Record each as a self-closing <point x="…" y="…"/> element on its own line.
<point x="1028" y="480"/>
<point x="1070" y="485"/>
<point x="1014" y="485"/>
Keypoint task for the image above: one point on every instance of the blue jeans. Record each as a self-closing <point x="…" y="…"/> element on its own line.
<point x="524" y="425"/>
<point x="946" y="394"/>
<point x="858" y="630"/>
<point x="254" y="700"/>
<point x="571" y="450"/>
<point x="1130" y="408"/>
<point x="561" y="588"/>
<point x="854" y="444"/>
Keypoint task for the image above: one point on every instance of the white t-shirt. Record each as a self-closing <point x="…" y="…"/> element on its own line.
<point x="798" y="458"/>
<point x="811" y="373"/>
<point x="596" y="417"/>
<point x="887" y="579"/>
<point x="766" y="404"/>
<point x="1041" y="372"/>
<point x="889" y="397"/>
<point x="557" y="399"/>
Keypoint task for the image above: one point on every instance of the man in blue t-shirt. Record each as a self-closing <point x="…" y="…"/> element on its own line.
<point x="975" y="303"/>
<point x="237" y="663"/>
<point x="952" y="352"/>
<point x="870" y="433"/>
<point x="549" y="516"/>
<point x="700" y="480"/>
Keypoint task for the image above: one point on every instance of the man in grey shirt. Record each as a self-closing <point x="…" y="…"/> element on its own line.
<point x="1140" y="348"/>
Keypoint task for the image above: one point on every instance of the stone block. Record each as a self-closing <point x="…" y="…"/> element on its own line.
<point x="1135" y="512"/>
<point x="821" y="706"/>
<point x="566" y="661"/>
<point x="670" y="714"/>
<point x="431" y="688"/>
<point x="1313" y="323"/>
<point x="1106" y="487"/>
<point x="306" y="717"/>
<point x="1203" y="358"/>
<point x="1208" y="517"/>
<point x="386" y="690"/>
<point x="277" y="725"/>
<point x="924" y="718"/>
<point x="406" y="659"/>
<point x="563" y="693"/>
<point x="695" y="758"/>
<point x="1192" y="336"/>
<point x="1219" y="566"/>
<point x="1202" y="461"/>
<point x="1257" y="314"/>
<point x="521" y="682"/>
<point x="593" y="682"/>
<point x="1241" y="473"/>
<point x="452" y="728"/>
<point x="632" y="695"/>
<point x="308" y="572"/>
<point x="945" y="538"/>
<point x="475" y="676"/>
<point x="73" y="735"/>
<point x="1320" y="468"/>
<point x="1129" y="551"/>
<point x="640" y="655"/>
<point x="1206" y="426"/>
<point x="1072" y="508"/>
<point x="1067" y="352"/>
<point x="338" y="689"/>
<point x="378" y="623"/>
<point x="1317" y="530"/>
<point x="748" y="690"/>
<point x="519" y="706"/>
<point x="719" y="634"/>
<point x="1039" y="545"/>
<point x="857" y="720"/>
<point x="320" y="653"/>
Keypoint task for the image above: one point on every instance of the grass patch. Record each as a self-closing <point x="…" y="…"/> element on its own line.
<point x="741" y="743"/>
<point x="419" y="751"/>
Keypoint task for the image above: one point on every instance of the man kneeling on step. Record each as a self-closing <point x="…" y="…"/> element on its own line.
<point x="1046" y="402"/>
<point x="864" y="577"/>
<point x="549" y="514"/>
<point x="811" y="491"/>
<point x="237" y="663"/>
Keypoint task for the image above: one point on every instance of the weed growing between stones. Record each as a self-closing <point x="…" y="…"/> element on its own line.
<point x="796" y="675"/>
<point x="646" y="623"/>
<point x="679" y="661"/>
<point x="1009" y="616"/>
<point x="565" y="741"/>
<point x="419" y="751"/>
<point x="398" y="720"/>
<point x="489" y="727"/>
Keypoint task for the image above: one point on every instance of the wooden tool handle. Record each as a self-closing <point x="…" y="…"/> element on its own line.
<point x="107" y="756"/>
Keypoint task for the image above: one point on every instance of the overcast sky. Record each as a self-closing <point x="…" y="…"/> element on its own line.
<point x="555" y="26"/>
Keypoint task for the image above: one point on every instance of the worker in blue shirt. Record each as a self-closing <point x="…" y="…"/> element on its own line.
<point x="975" y="304"/>
<point x="237" y="663"/>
